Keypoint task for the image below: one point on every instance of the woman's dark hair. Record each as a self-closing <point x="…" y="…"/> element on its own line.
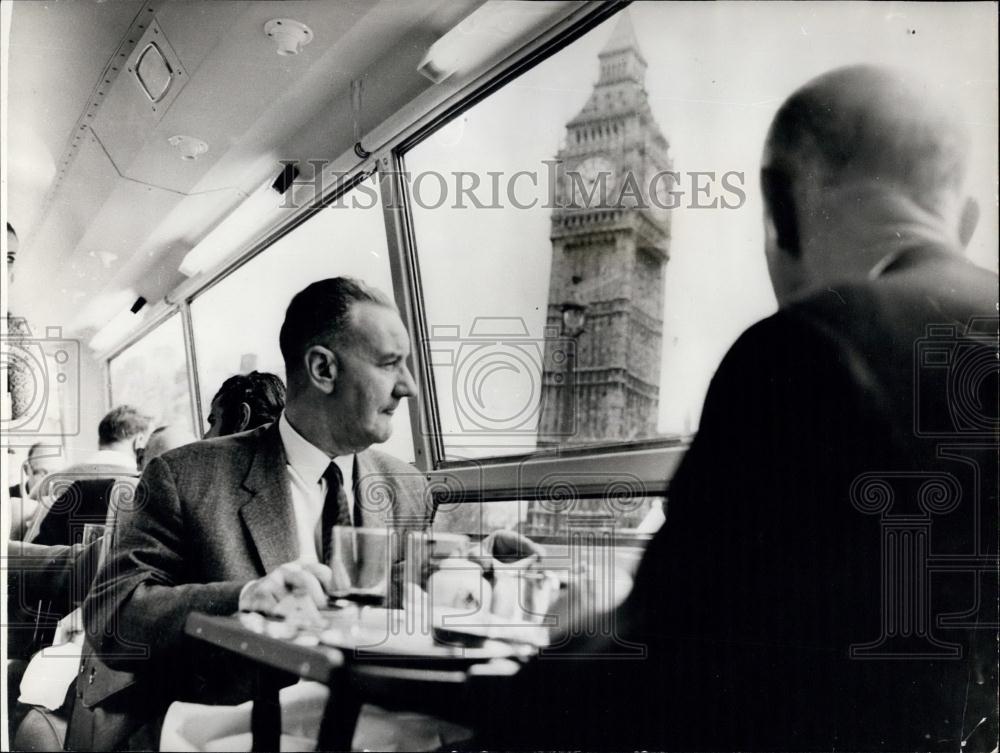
<point x="263" y="392"/>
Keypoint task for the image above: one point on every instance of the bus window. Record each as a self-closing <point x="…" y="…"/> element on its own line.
<point x="571" y="286"/>
<point x="152" y="375"/>
<point x="236" y="321"/>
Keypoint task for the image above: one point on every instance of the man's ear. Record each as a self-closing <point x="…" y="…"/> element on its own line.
<point x="779" y="203"/>
<point x="321" y="368"/>
<point x="139" y="446"/>
<point x="968" y="221"/>
<point x="245" y="414"/>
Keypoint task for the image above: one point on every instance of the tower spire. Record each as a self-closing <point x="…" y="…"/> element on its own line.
<point x="621" y="59"/>
<point x="623" y="38"/>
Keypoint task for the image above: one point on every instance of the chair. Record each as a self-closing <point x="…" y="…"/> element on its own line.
<point x="73" y="498"/>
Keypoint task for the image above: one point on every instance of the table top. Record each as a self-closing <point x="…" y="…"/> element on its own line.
<point x="386" y="664"/>
<point x="368" y="637"/>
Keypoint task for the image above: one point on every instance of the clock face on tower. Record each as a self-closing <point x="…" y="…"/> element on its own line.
<point x="592" y="171"/>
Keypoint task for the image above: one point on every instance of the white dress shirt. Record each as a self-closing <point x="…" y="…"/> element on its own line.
<point x="306" y="466"/>
<point x="125" y="460"/>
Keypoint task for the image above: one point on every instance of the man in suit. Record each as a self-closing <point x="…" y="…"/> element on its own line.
<point x="83" y="491"/>
<point x="827" y="574"/>
<point x="238" y="522"/>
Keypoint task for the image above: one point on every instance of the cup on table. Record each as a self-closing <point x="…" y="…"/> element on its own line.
<point x="426" y="550"/>
<point x="361" y="563"/>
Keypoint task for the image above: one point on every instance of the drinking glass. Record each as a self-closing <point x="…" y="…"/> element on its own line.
<point x="425" y="551"/>
<point x="361" y="562"/>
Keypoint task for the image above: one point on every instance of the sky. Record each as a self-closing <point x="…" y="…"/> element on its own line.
<point x="717" y="74"/>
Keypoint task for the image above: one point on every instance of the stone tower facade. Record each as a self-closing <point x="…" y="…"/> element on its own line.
<point x="610" y="244"/>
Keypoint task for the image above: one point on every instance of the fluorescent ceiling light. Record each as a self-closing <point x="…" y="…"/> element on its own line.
<point x="117" y="329"/>
<point x="481" y="35"/>
<point x="229" y="236"/>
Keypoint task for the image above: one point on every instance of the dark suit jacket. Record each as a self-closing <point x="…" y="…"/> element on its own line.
<point x="44" y="584"/>
<point x="826" y="577"/>
<point x="208" y="518"/>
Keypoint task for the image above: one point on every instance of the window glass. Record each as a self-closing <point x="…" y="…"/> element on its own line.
<point x="553" y="516"/>
<point x="589" y="236"/>
<point x="152" y="375"/>
<point x="236" y="321"/>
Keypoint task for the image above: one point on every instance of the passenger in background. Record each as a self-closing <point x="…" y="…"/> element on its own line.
<point x="238" y="523"/>
<point x="845" y="441"/>
<point x="244" y="402"/>
<point x="84" y="496"/>
<point x="161" y="440"/>
<point x="22" y="498"/>
<point x="36" y="467"/>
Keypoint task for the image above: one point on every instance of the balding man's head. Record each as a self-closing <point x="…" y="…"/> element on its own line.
<point x="866" y="146"/>
<point x="865" y="122"/>
<point x="163" y="439"/>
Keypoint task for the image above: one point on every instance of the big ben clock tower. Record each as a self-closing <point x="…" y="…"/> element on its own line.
<point x="609" y="251"/>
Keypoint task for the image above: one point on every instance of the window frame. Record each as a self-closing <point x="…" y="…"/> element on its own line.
<point x="159" y="317"/>
<point x="650" y="463"/>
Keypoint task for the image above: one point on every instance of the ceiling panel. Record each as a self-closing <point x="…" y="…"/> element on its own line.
<point x="129" y="208"/>
<point x="56" y="52"/>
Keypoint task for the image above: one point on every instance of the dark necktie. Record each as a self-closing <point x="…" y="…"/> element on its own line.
<point x="336" y="511"/>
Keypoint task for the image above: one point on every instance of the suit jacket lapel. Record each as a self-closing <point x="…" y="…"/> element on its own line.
<point x="268" y="514"/>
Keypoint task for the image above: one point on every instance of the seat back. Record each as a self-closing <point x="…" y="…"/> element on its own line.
<point x="71" y="499"/>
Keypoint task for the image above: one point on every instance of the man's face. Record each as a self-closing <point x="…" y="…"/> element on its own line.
<point x="215" y="420"/>
<point x="372" y="376"/>
<point x="36" y="468"/>
<point x="221" y="422"/>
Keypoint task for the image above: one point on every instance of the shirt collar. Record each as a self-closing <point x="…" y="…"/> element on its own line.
<point x="307" y="459"/>
<point x="113" y="457"/>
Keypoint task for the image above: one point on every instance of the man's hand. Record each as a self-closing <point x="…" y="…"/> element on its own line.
<point x="68" y="628"/>
<point x="293" y="587"/>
